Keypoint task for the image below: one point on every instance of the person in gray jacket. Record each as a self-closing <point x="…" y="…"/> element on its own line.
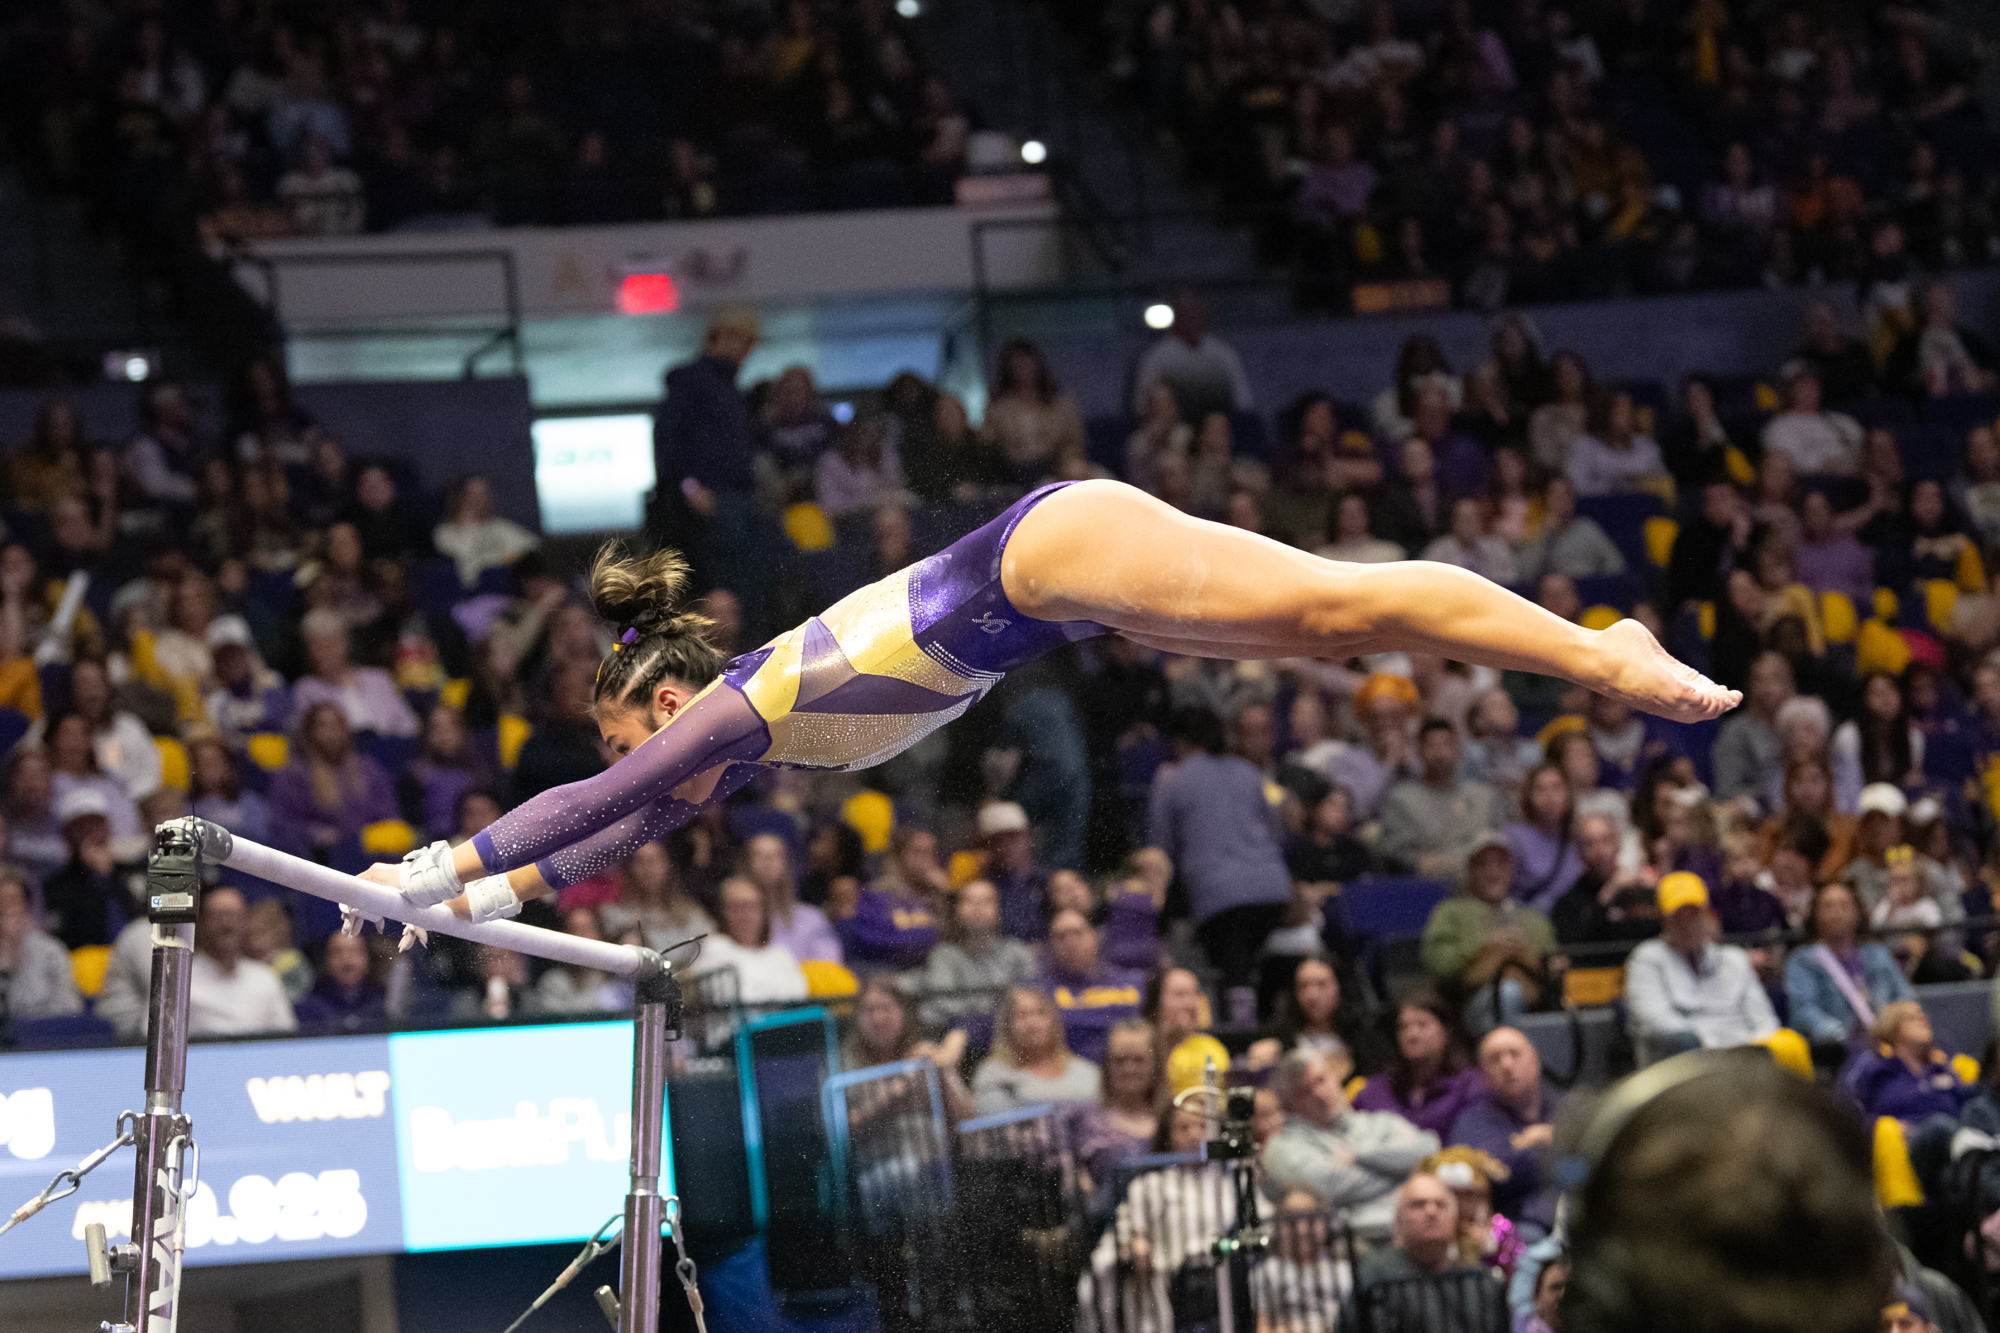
<point x="1355" y="1160"/>
<point x="34" y="967"/>
<point x="1683" y="991"/>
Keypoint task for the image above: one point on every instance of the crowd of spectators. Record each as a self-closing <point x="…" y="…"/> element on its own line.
<point x="1515" y="151"/>
<point x="263" y="121"/>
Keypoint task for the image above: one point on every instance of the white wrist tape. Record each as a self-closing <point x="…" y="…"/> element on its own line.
<point x="491" y="899"/>
<point x="428" y="876"/>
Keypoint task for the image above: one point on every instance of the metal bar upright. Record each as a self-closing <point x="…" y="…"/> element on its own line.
<point x="657" y="1013"/>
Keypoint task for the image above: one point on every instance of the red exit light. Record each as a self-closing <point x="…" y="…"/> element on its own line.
<point x="648" y="294"/>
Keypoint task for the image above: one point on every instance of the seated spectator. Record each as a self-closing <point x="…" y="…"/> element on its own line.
<point x="122" y="1000"/>
<point x="1120" y="1125"/>
<point x="1543" y="840"/>
<point x="1009" y="845"/>
<point x="1178" y="1010"/>
<point x="1485" y="1238"/>
<point x="1875" y="843"/>
<point x="1429" y="825"/>
<point x="123" y="747"/>
<point x="366" y="696"/>
<point x="802" y="928"/>
<point x="1551" y="1282"/>
<point x="565" y="746"/>
<point x="1383" y="706"/>
<point x="86" y="901"/>
<point x="1030" y="1062"/>
<point x="1611" y="457"/>
<point x="346" y="996"/>
<point x="248" y="697"/>
<point x="1830" y="558"/>
<point x="1315" y="1014"/>
<point x="1510" y="1119"/>
<point x="1941" y="356"/>
<point x="1608" y="901"/>
<point x="1494" y="751"/>
<point x="1429" y="1080"/>
<point x="1030" y="419"/>
<point x="1208" y="813"/>
<point x="1807" y="801"/>
<point x="864" y="471"/>
<point x="1420" y="366"/>
<point x="1091" y="994"/>
<point x="474" y="537"/>
<point x="1298" y="1282"/>
<point x="1838" y="979"/>
<point x="650" y="901"/>
<point x="1424" y="1243"/>
<point x="1684" y="992"/>
<point x="1162" y="1234"/>
<point x="1569" y="543"/>
<point x="1133" y="902"/>
<point x="218" y="793"/>
<point x="1905" y="1076"/>
<point x="1414" y="507"/>
<point x="445" y="766"/>
<point x="35" y="979"/>
<point x="1354" y="540"/>
<point x="74" y="760"/>
<point x="1814" y="439"/>
<point x="229" y="993"/>
<point x="1352" y="1159"/>
<point x="567" y="988"/>
<point x="1879" y="744"/>
<point x="766" y="973"/>
<point x="1482" y="933"/>
<point x="885" y="1032"/>
<point x="1905" y="905"/>
<point x="328" y="793"/>
<point x="973" y="957"/>
<point x="894" y="925"/>
<point x="1468" y="545"/>
<point x="503" y="991"/>
<point x="1749" y="755"/>
<point x="1742" y="903"/>
<point x="1202" y="371"/>
<point x="1328" y="852"/>
<point x="267" y="939"/>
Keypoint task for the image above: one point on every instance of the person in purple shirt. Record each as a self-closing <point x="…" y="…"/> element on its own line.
<point x="1546" y="857"/>
<point x="1010" y="865"/>
<point x="1428" y="1081"/>
<point x="1091" y="994"/>
<point x="804" y="929"/>
<point x="1830" y="558"/>
<point x="328" y="793"/>
<point x="345" y="996"/>
<point x="1511" y="1117"/>
<point x="895" y="923"/>
<point x="1905" y="1076"/>
<point x="1461" y="465"/>
<point x="1131" y="936"/>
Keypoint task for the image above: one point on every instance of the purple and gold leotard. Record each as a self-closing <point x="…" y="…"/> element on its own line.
<point x="862" y="681"/>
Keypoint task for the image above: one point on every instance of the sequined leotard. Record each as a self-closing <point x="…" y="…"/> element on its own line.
<point x="866" y="679"/>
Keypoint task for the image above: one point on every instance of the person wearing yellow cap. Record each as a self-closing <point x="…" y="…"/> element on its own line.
<point x="1683" y="991"/>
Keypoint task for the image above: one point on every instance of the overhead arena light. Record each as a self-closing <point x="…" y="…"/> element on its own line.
<point x="1159" y="315"/>
<point x="1034" y="152"/>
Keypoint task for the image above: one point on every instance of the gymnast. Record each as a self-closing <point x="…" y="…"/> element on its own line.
<point x="890" y="663"/>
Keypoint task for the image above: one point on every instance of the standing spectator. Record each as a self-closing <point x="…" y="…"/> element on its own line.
<point x="1483" y="933"/>
<point x="1749" y="754"/>
<point x="1352" y="1159"/>
<point x="973" y="957"/>
<point x="800" y="927"/>
<point x="1429" y="825"/>
<point x="1204" y="373"/>
<point x="123" y="746"/>
<point x="651" y="902"/>
<point x="366" y="696"/>
<point x="766" y="973"/>
<point x="704" y="442"/>
<point x="230" y="993"/>
<point x="35" y="980"/>
<point x="328" y="793"/>
<point x="1030" y="420"/>
<point x="1814" y="439"/>
<point x="1030" y="1062"/>
<point x="1684" y="992"/>
<point x="161" y="459"/>
<point x="1429" y="1080"/>
<point x="1091" y="994"/>
<point x="1838" y="979"/>
<point x="1209" y="814"/>
<point x="1543" y="840"/>
<point x="474" y="537"/>
<point x="346" y="997"/>
<point x="1511" y="1119"/>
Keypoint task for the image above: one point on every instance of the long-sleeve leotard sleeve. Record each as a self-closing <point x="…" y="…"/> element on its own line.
<point x="573" y="832"/>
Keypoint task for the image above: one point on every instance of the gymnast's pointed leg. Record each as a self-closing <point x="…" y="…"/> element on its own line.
<point x="1104" y="551"/>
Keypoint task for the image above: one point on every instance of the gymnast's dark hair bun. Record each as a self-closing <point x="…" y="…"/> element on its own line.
<point x="657" y="637"/>
<point x="643" y="592"/>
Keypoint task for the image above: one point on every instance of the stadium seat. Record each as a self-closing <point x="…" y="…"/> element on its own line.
<point x="1661" y="534"/>
<point x="1379" y="908"/>
<point x="63" y="1030"/>
<point x="388" y="837"/>
<point x="1591" y="986"/>
<point x="173" y="762"/>
<point x="872" y="815"/>
<point x="808" y="527"/>
<point x="826" y="980"/>
<point x="1600" y="617"/>
<point x="87" y="965"/>
<point x="455" y="692"/>
<point x="1837" y="617"/>
<point x="435" y="585"/>
<point x="1624" y="518"/>
<point x="270" y="750"/>
<point x="514" y="733"/>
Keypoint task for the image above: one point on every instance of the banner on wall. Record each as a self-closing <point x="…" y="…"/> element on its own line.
<point x="329" y="1146"/>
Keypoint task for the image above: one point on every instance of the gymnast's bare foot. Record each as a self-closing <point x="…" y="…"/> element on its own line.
<point x="1650" y="678"/>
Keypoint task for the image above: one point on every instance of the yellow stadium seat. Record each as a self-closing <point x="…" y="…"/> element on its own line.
<point x="826" y="981"/>
<point x="514" y="733"/>
<point x="270" y="750"/>
<point x="1704" y="616"/>
<point x="872" y="815"/>
<point x="1966" y="1068"/>
<point x="387" y="837"/>
<point x="1589" y="987"/>
<point x="1187" y="1063"/>
<point x="808" y="527"/>
<point x="1741" y="471"/>
<point x="1886" y="605"/>
<point x="173" y="762"/>
<point x="967" y="865"/>
<point x="1661" y="534"/>
<point x="1971" y="570"/>
<point x="1896" y="1184"/>
<point x="1354" y="1087"/>
<point x="454" y="693"/>
<point x="1940" y="596"/>
<point x="1766" y="398"/>
<point x="87" y="965"/>
<point x="1877" y="648"/>
<point x="1789" y="1049"/>
<point x="1600" y="617"/>
<point x="1838" y="617"/>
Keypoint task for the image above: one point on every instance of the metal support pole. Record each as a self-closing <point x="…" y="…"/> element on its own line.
<point x="164" y="1178"/>
<point x="657" y="1014"/>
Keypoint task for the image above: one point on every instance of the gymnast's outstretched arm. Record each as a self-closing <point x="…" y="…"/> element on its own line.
<point x="1104" y="551"/>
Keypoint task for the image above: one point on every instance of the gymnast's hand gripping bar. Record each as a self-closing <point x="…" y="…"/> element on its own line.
<point x="221" y="847"/>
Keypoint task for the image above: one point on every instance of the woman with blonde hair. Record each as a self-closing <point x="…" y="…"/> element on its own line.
<point x="1030" y="1061"/>
<point x="1905" y="1076"/>
<point x="800" y="927"/>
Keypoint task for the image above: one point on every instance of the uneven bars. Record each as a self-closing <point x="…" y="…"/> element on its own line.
<point x="294" y="872"/>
